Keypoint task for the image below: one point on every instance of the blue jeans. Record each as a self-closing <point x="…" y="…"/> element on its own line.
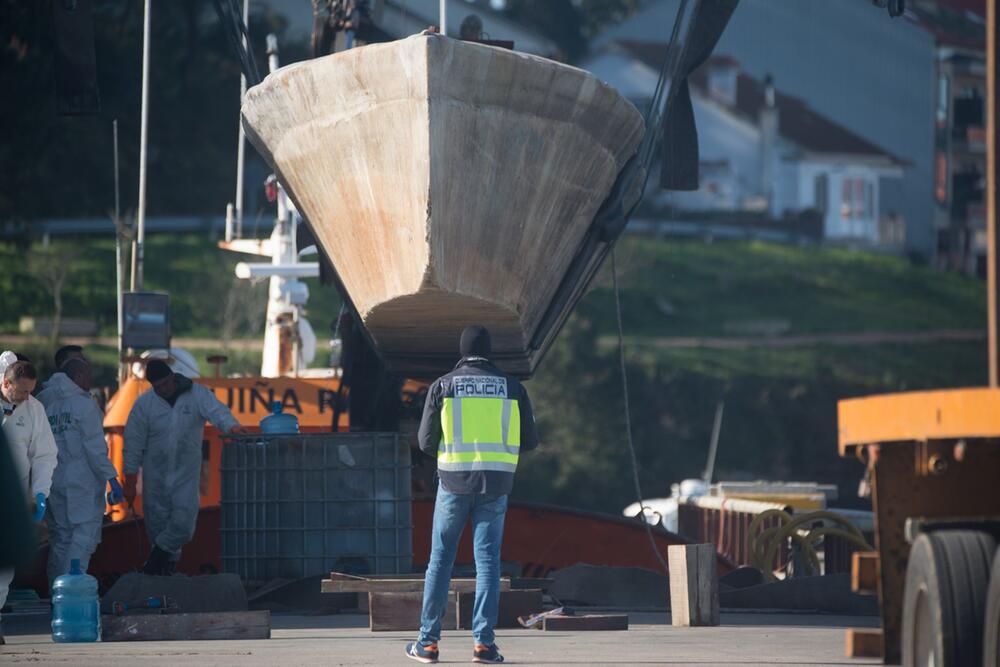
<point x="451" y="511"/>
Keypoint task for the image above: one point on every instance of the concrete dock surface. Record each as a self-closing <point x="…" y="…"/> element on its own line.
<point x="742" y="639"/>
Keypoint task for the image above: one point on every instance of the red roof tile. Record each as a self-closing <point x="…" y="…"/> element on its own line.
<point x="797" y="122"/>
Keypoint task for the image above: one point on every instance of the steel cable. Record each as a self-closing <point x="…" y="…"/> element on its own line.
<point x="628" y="417"/>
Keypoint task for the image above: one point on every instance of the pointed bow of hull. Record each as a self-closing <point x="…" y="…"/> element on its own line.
<point x="449" y="183"/>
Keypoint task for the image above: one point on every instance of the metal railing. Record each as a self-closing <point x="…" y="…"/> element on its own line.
<point x="725" y="522"/>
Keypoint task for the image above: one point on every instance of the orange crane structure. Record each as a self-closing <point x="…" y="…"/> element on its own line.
<point x="933" y="467"/>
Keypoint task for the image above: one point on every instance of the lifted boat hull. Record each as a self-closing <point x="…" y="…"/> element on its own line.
<point x="449" y="183"/>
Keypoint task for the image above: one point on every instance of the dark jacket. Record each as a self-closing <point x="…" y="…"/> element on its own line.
<point x="480" y="481"/>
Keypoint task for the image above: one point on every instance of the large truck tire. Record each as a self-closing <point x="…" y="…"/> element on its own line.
<point x="991" y="629"/>
<point x="944" y="604"/>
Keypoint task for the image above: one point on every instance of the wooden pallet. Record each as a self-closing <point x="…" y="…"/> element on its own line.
<point x="512" y="605"/>
<point x="186" y="627"/>
<point x="392" y="611"/>
<point x="864" y="643"/>
<point x="394" y="601"/>
<point x="347" y="583"/>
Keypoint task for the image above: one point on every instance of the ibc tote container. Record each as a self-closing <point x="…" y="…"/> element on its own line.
<point x="301" y="505"/>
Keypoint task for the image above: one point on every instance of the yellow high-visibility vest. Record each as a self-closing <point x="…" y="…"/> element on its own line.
<point x="480" y="426"/>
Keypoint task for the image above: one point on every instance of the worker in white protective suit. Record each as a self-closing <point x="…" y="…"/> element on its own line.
<point x="29" y="439"/>
<point x="76" y="504"/>
<point x="163" y="436"/>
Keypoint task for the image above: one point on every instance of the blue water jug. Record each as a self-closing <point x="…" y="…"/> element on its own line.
<point x="278" y="421"/>
<point x="76" y="609"/>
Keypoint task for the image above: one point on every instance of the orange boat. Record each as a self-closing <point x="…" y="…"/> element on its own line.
<point x="540" y="538"/>
<point x="316" y="402"/>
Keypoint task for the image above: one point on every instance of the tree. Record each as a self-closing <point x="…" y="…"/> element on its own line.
<point x="61" y="166"/>
<point x="51" y="266"/>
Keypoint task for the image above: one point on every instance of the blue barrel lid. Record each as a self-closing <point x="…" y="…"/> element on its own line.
<point x="279" y="421"/>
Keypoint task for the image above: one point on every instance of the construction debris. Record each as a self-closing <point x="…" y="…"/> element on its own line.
<point x="586" y="622"/>
<point x="393" y="612"/>
<point x="602" y="586"/>
<point x="399" y="611"/>
<point x="828" y="593"/>
<point x="694" y="585"/>
<point x="207" y="593"/>
<point x="741" y="577"/>
<point x="535" y="620"/>
<point x="864" y="643"/>
<point x="349" y="583"/>
<point x="301" y="595"/>
<point x="186" y="627"/>
<point x="566" y="618"/>
<point x="513" y="604"/>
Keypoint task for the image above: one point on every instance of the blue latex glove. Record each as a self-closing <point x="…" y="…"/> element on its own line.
<point x="116" y="495"/>
<point x="39" y="506"/>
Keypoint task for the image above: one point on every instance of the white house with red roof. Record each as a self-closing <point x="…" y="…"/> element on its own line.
<point x="764" y="152"/>
<point x="911" y="85"/>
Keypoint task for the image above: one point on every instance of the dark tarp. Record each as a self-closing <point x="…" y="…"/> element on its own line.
<point x="17" y="544"/>
<point x="679" y="149"/>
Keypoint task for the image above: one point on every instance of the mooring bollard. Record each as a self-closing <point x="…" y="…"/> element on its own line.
<point x="694" y="585"/>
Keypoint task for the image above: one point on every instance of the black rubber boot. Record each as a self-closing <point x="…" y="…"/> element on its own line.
<point x="158" y="563"/>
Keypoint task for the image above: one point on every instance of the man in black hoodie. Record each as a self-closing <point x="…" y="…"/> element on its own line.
<point x="477" y="420"/>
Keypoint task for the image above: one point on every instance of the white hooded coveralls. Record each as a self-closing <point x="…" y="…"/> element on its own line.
<point x="76" y="505"/>
<point x="33" y="450"/>
<point x="167" y="443"/>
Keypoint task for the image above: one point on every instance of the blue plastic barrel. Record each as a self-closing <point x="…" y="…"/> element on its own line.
<point x="76" y="610"/>
<point x="278" y="421"/>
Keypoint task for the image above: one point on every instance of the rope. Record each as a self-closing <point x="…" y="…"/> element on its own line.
<point x="764" y="545"/>
<point x="628" y="417"/>
<point x="236" y="31"/>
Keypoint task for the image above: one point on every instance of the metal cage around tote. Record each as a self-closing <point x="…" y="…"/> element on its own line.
<point x="302" y="505"/>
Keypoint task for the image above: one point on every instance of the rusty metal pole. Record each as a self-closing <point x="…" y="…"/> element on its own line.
<point x="992" y="236"/>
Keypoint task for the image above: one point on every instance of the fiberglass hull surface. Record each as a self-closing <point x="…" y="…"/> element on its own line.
<point x="449" y="183"/>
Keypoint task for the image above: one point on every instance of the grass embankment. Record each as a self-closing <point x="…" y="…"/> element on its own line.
<point x="207" y="300"/>
<point x="780" y="416"/>
<point x="689" y="288"/>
